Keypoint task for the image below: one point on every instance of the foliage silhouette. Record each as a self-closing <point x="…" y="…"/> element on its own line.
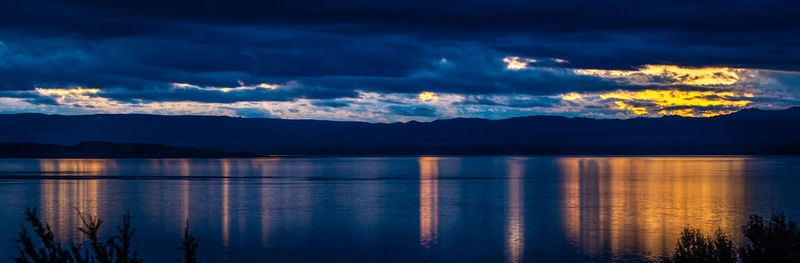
<point x="775" y="240"/>
<point x="51" y="251"/>
<point x="115" y="249"/>
<point x="694" y="247"/>
<point x="189" y="246"/>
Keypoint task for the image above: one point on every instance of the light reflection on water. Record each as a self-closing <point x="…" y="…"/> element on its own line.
<point x="401" y="209"/>
<point x="629" y="205"/>
<point x="515" y="235"/>
<point x="428" y="201"/>
<point x="60" y="202"/>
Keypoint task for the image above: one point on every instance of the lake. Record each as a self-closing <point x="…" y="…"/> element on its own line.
<point x="402" y="209"/>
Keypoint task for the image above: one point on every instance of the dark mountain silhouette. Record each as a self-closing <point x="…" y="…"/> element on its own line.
<point x="748" y="131"/>
<point x="108" y="150"/>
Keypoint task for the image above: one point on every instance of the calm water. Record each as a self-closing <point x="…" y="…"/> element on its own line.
<point x="401" y="209"/>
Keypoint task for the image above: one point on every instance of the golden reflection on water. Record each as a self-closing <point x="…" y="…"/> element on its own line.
<point x="186" y="171"/>
<point x="428" y="200"/>
<point x="226" y="227"/>
<point x="627" y="205"/>
<point x="515" y="223"/>
<point x="60" y="200"/>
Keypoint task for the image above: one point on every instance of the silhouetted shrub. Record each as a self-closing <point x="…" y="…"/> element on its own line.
<point x="189" y="246"/>
<point x="51" y="249"/>
<point x="775" y="240"/>
<point x="694" y="246"/>
<point x="115" y="249"/>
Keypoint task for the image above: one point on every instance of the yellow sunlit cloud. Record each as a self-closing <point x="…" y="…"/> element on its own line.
<point x="686" y="101"/>
<point x="670" y="98"/>
<point x="705" y="103"/>
<point x="65" y="92"/>
<point x="428" y="96"/>
<point x="517" y="63"/>
<point x="666" y="102"/>
<point x="571" y="96"/>
<point x="636" y="110"/>
<point x="679" y="75"/>
<point x="678" y="112"/>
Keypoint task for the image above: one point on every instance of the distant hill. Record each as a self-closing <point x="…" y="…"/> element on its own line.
<point x="749" y="131"/>
<point x="108" y="150"/>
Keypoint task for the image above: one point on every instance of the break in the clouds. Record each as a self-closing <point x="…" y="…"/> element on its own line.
<point x="387" y="61"/>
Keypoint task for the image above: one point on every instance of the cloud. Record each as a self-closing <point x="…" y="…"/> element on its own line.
<point x="493" y="59"/>
<point x="671" y="74"/>
<point x="330" y="103"/>
<point x="423" y="111"/>
<point x="666" y="102"/>
<point x="426" y="96"/>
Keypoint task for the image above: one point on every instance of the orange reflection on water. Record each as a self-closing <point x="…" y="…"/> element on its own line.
<point x="186" y="171"/>
<point x="515" y="223"/>
<point x="638" y="206"/>
<point x="60" y="200"/>
<point x="226" y="227"/>
<point x="428" y="200"/>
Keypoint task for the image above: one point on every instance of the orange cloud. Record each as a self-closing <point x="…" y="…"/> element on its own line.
<point x="636" y="110"/>
<point x="672" y="74"/>
<point x="571" y="96"/>
<point x="678" y="112"/>
<point x="671" y="98"/>
<point x="667" y="102"/>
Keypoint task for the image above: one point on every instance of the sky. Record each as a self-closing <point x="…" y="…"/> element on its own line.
<point x="390" y="61"/>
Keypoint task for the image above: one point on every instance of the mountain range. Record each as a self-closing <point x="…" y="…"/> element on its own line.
<point x="749" y="131"/>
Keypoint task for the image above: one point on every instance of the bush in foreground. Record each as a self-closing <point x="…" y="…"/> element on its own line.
<point x="694" y="246"/>
<point x="773" y="240"/>
<point x="114" y="249"/>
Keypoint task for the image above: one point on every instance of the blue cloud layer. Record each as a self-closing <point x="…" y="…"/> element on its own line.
<point x="135" y="51"/>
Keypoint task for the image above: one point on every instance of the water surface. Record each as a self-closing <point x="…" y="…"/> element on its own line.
<point x="403" y="209"/>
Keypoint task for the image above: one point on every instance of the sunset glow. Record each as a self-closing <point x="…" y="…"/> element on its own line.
<point x="673" y="102"/>
<point x="260" y="69"/>
<point x="517" y="63"/>
<point x="64" y="92"/>
<point x="666" y="98"/>
<point x="672" y="74"/>
<point x="571" y="96"/>
<point x="428" y="96"/>
<point x="399" y="131"/>
<point x="636" y="110"/>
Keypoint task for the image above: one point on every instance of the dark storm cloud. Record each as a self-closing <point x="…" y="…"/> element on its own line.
<point x="513" y="102"/>
<point x="284" y="93"/>
<point x="423" y="111"/>
<point x="135" y="50"/>
<point x="456" y="15"/>
<point x="769" y="48"/>
<point x="31" y="97"/>
<point x="330" y="103"/>
<point x="500" y="82"/>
